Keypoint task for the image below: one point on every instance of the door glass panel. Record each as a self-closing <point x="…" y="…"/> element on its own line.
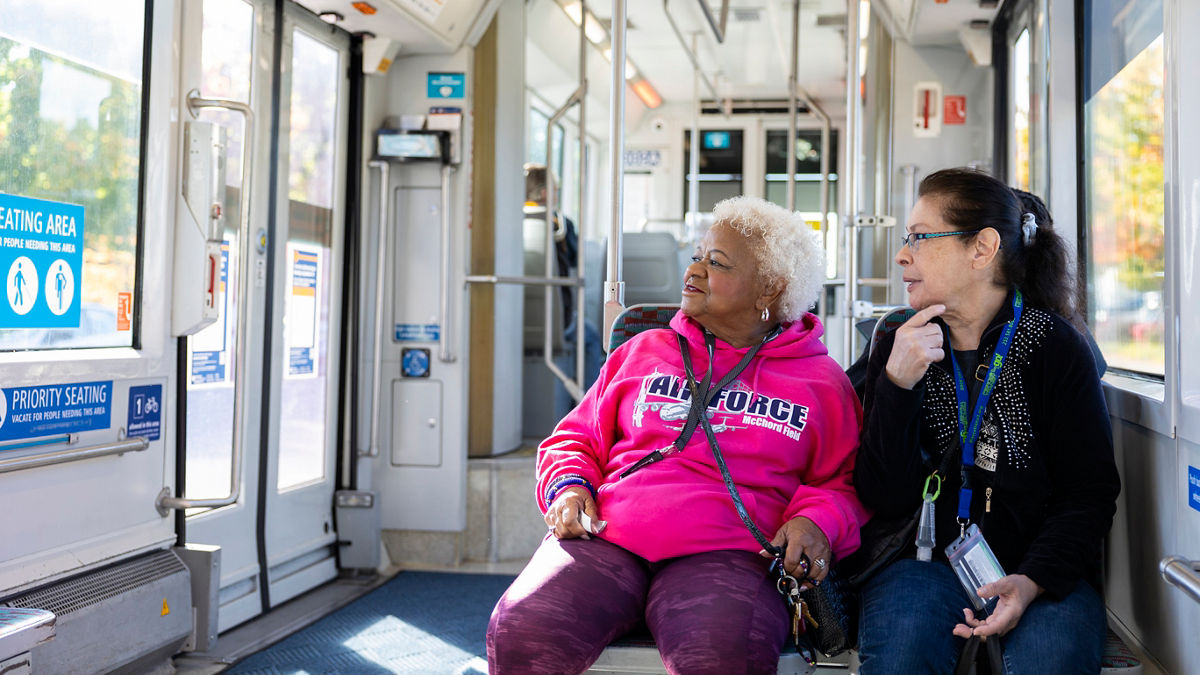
<point x="226" y="44"/>
<point x="311" y="175"/>
<point x="807" y="174"/>
<point x="70" y="152"/>
<point x="720" y="166"/>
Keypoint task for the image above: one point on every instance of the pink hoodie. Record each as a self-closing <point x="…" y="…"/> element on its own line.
<point x="788" y="427"/>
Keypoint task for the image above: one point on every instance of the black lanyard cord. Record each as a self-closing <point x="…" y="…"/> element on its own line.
<point x="712" y="438"/>
<point x="699" y="404"/>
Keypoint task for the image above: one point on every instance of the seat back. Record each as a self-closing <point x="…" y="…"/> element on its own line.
<point x="650" y="261"/>
<point x="890" y="322"/>
<point x="638" y="318"/>
<point x="534" y="314"/>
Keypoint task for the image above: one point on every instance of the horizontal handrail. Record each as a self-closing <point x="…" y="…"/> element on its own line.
<point x="1182" y="573"/>
<point x="73" y="454"/>
<point x="56" y="439"/>
<point x="523" y="281"/>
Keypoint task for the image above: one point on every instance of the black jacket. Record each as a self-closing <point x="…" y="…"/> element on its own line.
<point x="1055" y="483"/>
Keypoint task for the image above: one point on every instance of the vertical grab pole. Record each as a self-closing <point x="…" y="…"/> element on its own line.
<point x="580" y="312"/>
<point x="820" y="114"/>
<point x="614" y="288"/>
<point x="444" y="344"/>
<point x="380" y="274"/>
<point x="793" y="64"/>
<point x="824" y="195"/>
<point x="574" y="386"/>
<point x="850" y="172"/>
<point x="693" y="223"/>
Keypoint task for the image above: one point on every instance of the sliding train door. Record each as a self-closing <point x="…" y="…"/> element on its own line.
<point x="276" y="421"/>
<point x="305" y="335"/>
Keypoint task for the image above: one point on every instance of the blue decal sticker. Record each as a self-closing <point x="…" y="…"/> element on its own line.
<point x="1194" y="487"/>
<point x="41" y="258"/>
<point x="300" y="361"/>
<point x="44" y="410"/>
<point x="446" y="85"/>
<point x="414" y="362"/>
<point x="207" y="367"/>
<point x="302" y="312"/>
<point x="417" y="332"/>
<point x="145" y="412"/>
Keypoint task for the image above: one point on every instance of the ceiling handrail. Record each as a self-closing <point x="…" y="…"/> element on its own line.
<point x="687" y="50"/>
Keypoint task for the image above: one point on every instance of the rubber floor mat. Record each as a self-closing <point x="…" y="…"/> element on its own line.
<point x="418" y="622"/>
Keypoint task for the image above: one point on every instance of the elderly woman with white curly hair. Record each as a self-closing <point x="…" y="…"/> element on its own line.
<point x="672" y="550"/>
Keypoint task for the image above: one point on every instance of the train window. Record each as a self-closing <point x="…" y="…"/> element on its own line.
<point x="808" y="169"/>
<point x="808" y="182"/>
<point x="1021" y="53"/>
<point x="1123" y="179"/>
<point x="71" y="130"/>
<point x="636" y="200"/>
<point x="536" y="149"/>
<point x="568" y="196"/>
<point x="720" y="166"/>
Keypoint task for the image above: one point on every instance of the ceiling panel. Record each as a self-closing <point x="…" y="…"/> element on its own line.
<point x="752" y="60"/>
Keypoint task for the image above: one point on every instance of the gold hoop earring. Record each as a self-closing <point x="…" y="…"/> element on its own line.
<point x="766" y="315"/>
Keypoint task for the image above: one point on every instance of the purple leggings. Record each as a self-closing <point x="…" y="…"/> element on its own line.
<point x="714" y="612"/>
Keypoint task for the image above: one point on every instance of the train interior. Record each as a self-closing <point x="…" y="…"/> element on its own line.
<point x="317" y="323"/>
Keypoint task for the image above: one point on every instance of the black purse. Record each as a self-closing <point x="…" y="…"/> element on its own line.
<point x="884" y="539"/>
<point x="833" y="614"/>
<point x="826" y="615"/>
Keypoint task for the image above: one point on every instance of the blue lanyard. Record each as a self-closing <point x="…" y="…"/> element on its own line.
<point x="968" y="430"/>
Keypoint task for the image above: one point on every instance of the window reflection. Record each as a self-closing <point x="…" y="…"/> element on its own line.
<point x="1125" y="207"/>
<point x="70" y="133"/>
<point x="1020" y="112"/>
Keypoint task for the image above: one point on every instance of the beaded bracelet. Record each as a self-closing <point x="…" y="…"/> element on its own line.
<point x="567" y="481"/>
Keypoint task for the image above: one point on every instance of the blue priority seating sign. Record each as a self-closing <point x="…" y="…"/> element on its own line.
<point x="41" y="260"/>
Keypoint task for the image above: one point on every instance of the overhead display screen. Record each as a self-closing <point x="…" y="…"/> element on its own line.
<point x="409" y="145"/>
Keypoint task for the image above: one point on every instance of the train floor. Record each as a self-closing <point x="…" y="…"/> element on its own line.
<point x="405" y="621"/>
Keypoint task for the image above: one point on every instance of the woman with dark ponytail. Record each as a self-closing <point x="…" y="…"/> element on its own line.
<point x="991" y="395"/>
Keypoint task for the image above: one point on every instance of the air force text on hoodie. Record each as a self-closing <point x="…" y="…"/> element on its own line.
<point x="788" y="428"/>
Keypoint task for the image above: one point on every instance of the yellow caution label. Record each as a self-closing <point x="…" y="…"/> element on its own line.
<point x="166" y="608"/>
<point x="384" y="64"/>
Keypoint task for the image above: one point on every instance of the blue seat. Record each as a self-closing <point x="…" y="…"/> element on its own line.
<point x="638" y="318"/>
<point x="889" y="322"/>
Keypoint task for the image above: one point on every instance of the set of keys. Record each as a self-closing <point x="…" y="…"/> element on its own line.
<point x="789" y="587"/>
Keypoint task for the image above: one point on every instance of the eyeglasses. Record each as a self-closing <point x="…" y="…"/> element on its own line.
<point x="912" y="239"/>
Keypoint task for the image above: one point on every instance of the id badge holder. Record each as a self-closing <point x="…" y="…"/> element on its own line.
<point x="975" y="565"/>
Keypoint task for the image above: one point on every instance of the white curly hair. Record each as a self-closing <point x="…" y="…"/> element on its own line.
<point x="786" y="248"/>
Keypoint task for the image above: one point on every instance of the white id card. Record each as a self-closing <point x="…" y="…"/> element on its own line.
<point x="975" y="565"/>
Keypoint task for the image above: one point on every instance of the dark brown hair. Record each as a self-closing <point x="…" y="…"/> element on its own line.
<point x="971" y="199"/>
